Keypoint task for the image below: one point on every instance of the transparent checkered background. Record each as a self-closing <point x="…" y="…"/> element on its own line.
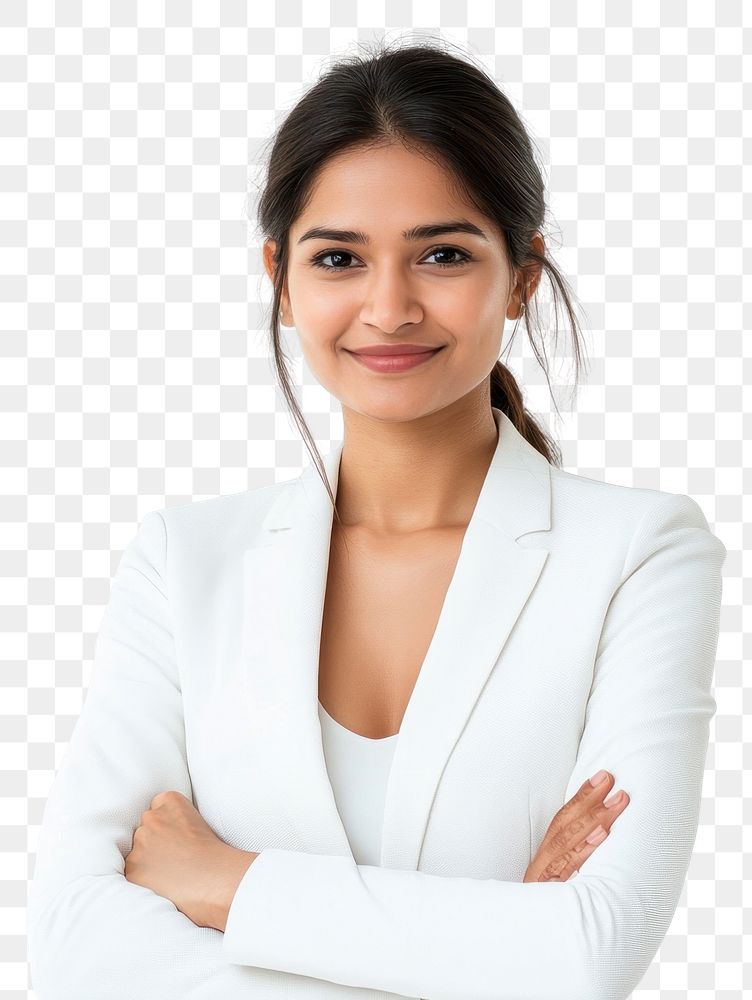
<point x="135" y="363"/>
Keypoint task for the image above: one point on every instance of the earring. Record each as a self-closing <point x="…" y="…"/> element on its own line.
<point x="522" y="308"/>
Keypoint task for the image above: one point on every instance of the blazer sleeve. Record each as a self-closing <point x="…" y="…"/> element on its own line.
<point x="594" y="936"/>
<point x="92" y="934"/>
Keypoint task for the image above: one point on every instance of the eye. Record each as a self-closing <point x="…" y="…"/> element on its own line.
<point x="464" y="257"/>
<point x="318" y="260"/>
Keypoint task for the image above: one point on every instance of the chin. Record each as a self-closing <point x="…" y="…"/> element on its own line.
<point x="397" y="411"/>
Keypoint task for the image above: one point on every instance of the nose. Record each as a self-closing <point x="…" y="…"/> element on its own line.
<point x="389" y="300"/>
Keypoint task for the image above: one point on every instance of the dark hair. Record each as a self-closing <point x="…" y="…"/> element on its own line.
<point x="442" y="106"/>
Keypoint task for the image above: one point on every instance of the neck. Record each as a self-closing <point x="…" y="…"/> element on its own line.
<point x="399" y="477"/>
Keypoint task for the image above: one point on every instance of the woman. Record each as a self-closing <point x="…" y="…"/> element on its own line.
<point x="325" y="747"/>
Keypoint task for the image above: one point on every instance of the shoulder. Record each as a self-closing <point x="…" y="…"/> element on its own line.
<point x="628" y="522"/>
<point x="595" y="502"/>
<point x="225" y="522"/>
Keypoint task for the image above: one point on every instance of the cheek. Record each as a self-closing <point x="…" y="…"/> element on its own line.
<point x="473" y="313"/>
<point x="322" y="321"/>
<point x="479" y="337"/>
<point x="319" y="341"/>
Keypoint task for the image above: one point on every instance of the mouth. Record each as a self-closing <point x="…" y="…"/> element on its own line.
<point x="395" y="362"/>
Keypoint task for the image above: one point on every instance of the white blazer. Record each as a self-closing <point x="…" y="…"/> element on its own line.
<point x="579" y="632"/>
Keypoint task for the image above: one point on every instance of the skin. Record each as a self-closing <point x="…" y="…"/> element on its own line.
<point x="417" y="444"/>
<point x="176" y="854"/>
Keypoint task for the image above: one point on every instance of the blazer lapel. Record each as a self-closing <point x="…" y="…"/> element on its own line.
<point x="285" y="582"/>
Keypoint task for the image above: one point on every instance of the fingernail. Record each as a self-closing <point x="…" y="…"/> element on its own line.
<point x="596" y="836"/>
<point x="598" y="778"/>
<point x="614" y="800"/>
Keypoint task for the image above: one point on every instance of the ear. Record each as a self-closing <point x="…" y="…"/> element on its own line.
<point x="529" y="276"/>
<point x="534" y="270"/>
<point x="269" y="250"/>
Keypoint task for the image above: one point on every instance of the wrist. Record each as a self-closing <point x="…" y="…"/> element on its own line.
<point x="234" y="866"/>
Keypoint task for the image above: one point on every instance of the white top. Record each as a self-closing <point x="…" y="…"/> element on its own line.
<point x="358" y="769"/>
<point x="579" y="632"/>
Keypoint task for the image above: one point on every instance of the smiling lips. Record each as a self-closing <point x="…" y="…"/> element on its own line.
<point x="392" y="349"/>
<point x="393" y="357"/>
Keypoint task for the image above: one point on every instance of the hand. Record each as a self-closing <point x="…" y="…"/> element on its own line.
<point x="565" y="848"/>
<point x="177" y="855"/>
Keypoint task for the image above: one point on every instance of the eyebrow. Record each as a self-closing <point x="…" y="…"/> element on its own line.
<point x="426" y="232"/>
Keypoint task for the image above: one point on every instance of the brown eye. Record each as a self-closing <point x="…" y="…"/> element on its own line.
<point x="318" y="260"/>
<point x="465" y="257"/>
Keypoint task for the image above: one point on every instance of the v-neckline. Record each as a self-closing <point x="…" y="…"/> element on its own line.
<point x="357" y="736"/>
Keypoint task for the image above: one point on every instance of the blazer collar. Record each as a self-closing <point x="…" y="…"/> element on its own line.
<point x="285" y="574"/>
<point x="514" y="498"/>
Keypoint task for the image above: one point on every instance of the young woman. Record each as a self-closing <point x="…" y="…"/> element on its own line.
<point x="352" y="734"/>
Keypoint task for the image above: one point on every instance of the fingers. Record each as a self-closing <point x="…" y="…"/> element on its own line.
<point x="558" y="870"/>
<point x="594" y="806"/>
<point x="614" y="805"/>
<point x="587" y="796"/>
<point x="585" y="824"/>
<point x="571" y="859"/>
<point x="587" y="790"/>
<point x="580" y="826"/>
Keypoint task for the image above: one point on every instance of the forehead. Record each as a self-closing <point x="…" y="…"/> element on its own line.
<point x="383" y="190"/>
